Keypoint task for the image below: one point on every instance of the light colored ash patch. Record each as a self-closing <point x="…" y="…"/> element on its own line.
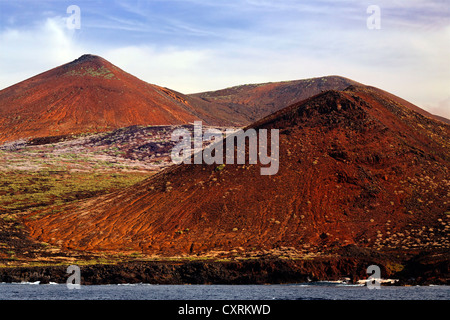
<point x="135" y="148"/>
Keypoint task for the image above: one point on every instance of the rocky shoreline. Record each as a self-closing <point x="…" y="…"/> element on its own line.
<point x="420" y="270"/>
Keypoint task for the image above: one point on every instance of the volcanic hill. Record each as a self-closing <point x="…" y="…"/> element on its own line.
<point x="251" y="102"/>
<point x="90" y="94"/>
<point x="356" y="168"/>
<point x="255" y="101"/>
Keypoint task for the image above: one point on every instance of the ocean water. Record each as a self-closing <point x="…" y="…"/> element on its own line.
<point x="315" y="291"/>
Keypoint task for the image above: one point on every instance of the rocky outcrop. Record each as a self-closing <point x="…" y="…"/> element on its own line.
<point x="421" y="269"/>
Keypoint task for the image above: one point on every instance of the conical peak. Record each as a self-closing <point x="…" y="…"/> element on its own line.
<point x="90" y="66"/>
<point x="89" y="60"/>
<point x="88" y="57"/>
<point x="323" y="109"/>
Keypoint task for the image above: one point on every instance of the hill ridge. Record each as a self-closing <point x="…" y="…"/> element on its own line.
<point x="90" y="94"/>
<point x="354" y="169"/>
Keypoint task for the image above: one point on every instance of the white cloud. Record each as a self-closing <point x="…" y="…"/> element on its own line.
<point x="178" y="69"/>
<point x="26" y="53"/>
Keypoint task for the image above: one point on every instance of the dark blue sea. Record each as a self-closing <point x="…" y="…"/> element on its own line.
<point x="314" y="291"/>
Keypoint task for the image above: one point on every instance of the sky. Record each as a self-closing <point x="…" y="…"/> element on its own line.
<point x="199" y="45"/>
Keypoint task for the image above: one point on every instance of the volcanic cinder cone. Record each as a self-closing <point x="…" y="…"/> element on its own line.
<point x="255" y="101"/>
<point x="356" y="167"/>
<point x="251" y="102"/>
<point x="88" y="94"/>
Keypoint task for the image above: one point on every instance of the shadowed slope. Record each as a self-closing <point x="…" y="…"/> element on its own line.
<point x="252" y="102"/>
<point x="355" y="167"/>
<point x="90" y="94"/>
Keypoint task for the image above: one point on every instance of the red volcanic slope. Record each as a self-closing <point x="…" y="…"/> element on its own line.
<point x="92" y="95"/>
<point x="88" y="95"/>
<point x="252" y="102"/>
<point x="356" y="167"/>
<point x="411" y="106"/>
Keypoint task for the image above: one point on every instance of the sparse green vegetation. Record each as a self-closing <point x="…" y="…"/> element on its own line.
<point x="11" y="255"/>
<point x="395" y="267"/>
<point x="27" y="190"/>
<point x="136" y="255"/>
<point x="8" y="218"/>
<point x="220" y="167"/>
<point x="182" y="231"/>
<point x="101" y="72"/>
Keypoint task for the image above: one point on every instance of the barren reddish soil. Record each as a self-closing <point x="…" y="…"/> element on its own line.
<point x="356" y="167"/>
<point x="88" y="94"/>
<point x="363" y="179"/>
<point x="252" y="102"/>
